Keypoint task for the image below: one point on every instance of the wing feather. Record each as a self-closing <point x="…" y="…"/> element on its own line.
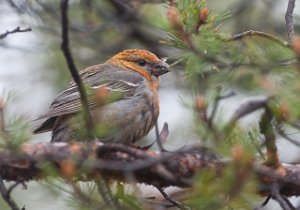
<point x="114" y="81"/>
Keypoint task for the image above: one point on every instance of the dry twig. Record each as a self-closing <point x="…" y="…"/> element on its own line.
<point x="161" y="137"/>
<point x="71" y="65"/>
<point x="282" y="133"/>
<point x="79" y="83"/>
<point x="289" y="22"/>
<point x="171" y="200"/>
<point x="6" y="195"/>
<point x="283" y="202"/>
<point x="259" y="34"/>
<point x="17" y="30"/>
<point x="248" y="107"/>
<point x="2" y="123"/>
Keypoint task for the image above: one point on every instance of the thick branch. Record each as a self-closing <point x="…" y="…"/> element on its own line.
<point x="116" y="161"/>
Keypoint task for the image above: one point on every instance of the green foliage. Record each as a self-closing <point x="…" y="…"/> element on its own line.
<point x="232" y="190"/>
<point x="239" y="64"/>
<point x="15" y="131"/>
<point x="19" y="130"/>
<point x="252" y="65"/>
<point x="128" y="201"/>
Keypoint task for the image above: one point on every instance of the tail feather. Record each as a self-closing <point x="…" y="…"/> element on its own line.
<point x="45" y="126"/>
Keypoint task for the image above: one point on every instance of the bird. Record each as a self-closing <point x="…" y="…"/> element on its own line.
<point x="128" y="83"/>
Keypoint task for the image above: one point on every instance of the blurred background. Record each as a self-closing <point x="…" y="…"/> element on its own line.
<point x="33" y="70"/>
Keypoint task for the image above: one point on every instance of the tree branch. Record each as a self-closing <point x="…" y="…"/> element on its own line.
<point x="284" y="203"/>
<point x="71" y="65"/>
<point x="247" y="108"/>
<point x="172" y="201"/>
<point x="114" y="161"/>
<point x="2" y="123"/>
<point x="17" y="30"/>
<point x="289" y="22"/>
<point x="121" y="162"/>
<point x="162" y="136"/>
<point x="6" y="195"/>
<point x="259" y="34"/>
<point x="282" y="133"/>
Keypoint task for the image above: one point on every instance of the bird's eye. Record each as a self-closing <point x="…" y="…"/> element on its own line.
<point x="141" y="62"/>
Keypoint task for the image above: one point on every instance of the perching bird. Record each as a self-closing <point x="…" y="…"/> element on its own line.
<point x="130" y="82"/>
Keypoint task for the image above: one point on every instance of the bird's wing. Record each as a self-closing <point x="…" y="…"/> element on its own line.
<point x="119" y="82"/>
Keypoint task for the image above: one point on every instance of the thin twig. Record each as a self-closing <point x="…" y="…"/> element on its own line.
<point x="17" y="30"/>
<point x="259" y="34"/>
<point x="75" y="75"/>
<point x="288" y="202"/>
<point x="2" y="125"/>
<point x="161" y="137"/>
<point x="164" y="132"/>
<point x="295" y="125"/>
<point x="282" y="202"/>
<point x="266" y="201"/>
<point x="10" y="189"/>
<point x="214" y="109"/>
<point x="158" y="141"/>
<point x="289" y="22"/>
<point x="72" y="67"/>
<point x="247" y="108"/>
<point x="171" y="200"/>
<point x="281" y="132"/>
<point x="228" y="95"/>
<point x="6" y="196"/>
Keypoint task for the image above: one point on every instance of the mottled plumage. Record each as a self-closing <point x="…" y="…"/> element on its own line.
<point x="132" y="75"/>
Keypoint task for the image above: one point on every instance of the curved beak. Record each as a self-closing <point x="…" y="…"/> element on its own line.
<point x="160" y="68"/>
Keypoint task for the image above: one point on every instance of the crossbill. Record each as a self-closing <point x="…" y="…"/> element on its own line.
<point x="123" y="100"/>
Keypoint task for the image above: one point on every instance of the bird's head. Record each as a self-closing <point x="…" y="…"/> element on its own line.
<point x="141" y="61"/>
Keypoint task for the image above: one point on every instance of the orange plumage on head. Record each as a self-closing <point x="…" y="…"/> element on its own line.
<point x="130" y="58"/>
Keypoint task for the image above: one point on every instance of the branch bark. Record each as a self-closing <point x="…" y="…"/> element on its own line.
<point x="289" y="20"/>
<point x="115" y="161"/>
<point x="121" y="162"/>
